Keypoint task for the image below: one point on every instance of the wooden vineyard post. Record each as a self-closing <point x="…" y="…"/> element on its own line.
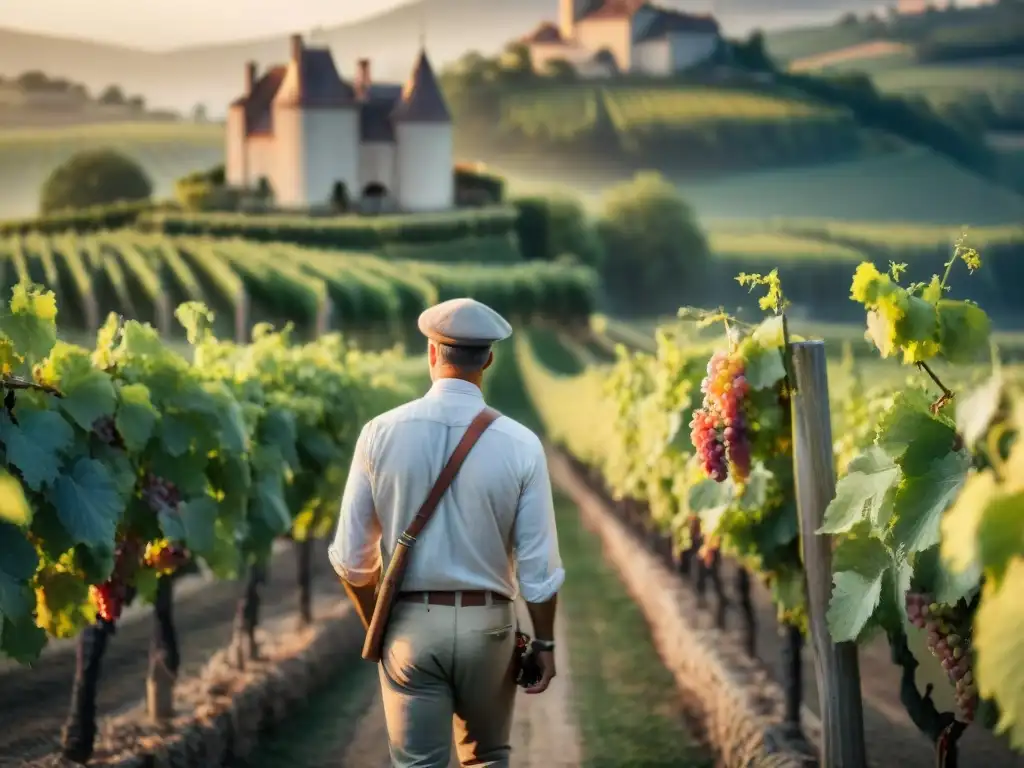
<point x="835" y="664"/>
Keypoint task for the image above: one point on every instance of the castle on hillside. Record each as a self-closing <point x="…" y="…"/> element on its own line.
<point x="599" y="37"/>
<point x="300" y="127"/>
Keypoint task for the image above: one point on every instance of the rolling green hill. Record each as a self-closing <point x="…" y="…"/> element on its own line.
<point x="166" y="151"/>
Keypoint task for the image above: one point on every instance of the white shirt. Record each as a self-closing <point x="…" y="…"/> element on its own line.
<point x="496" y="523"/>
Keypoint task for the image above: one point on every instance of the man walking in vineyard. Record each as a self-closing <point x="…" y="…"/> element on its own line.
<point x="449" y="655"/>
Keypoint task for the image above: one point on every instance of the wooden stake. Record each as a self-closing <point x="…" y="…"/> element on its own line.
<point x="835" y="664"/>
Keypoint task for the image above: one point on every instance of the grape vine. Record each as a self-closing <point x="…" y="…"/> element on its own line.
<point x="121" y="464"/>
<point x="910" y="508"/>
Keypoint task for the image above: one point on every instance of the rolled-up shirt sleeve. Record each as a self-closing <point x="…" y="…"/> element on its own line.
<point x="538" y="563"/>
<point x="355" y="551"/>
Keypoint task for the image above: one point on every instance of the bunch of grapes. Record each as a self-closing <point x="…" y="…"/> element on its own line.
<point x="951" y="649"/>
<point x="106" y="430"/>
<point x="108" y="599"/>
<point x="719" y="429"/>
<point x="165" y="557"/>
<point x="159" y="494"/>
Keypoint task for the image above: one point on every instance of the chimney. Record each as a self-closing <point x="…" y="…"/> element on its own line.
<point x="297" y="49"/>
<point x="250" y="77"/>
<point x="363" y="78"/>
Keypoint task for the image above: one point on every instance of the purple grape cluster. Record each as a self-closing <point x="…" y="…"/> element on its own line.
<point x="106" y="430"/>
<point x="719" y="429"/>
<point x="160" y="495"/>
<point x="950" y="647"/>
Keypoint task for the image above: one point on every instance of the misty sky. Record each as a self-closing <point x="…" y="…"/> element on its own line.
<point x="170" y="23"/>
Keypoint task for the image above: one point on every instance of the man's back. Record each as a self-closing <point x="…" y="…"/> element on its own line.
<point x="468" y="542"/>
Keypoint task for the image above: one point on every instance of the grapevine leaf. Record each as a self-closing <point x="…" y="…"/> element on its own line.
<point x="859" y="565"/>
<point x="865" y="493"/>
<point x="708" y="494"/>
<point x="318" y="446"/>
<point x="62" y="603"/>
<point x="764" y="367"/>
<point x="35" y="443"/>
<point x="938" y="578"/>
<point x="136" y="416"/>
<point x="146" y="580"/>
<point x="975" y="412"/>
<point x="1001" y="533"/>
<point x="21" y="639"/>
<point x="999" y="641"/>
<point x="88" y="392"/>
<point x="176" y="432"/>
<point x="912" y="436"/>
<point x="278" y="429"/>
<point x="199" y="517"/>
<point x="97" y="563"/>
<point x="769" y="332"/>
<point x="48" y="531"/>
<point x="754" y="494"/>
<point x="31" y="326"/>
<point x="88" y="503"/>
<point x="18" y="562"/>
<point x="965" y="331"/>
<point x="918" y="330"/>
<point x="922" y="500"/>
<point x="14" y="507"/>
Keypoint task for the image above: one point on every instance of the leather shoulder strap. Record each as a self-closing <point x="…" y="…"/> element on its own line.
<point x="476" y="428"/>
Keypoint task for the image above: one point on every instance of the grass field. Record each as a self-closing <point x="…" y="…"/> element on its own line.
<point x="777" y="247"/>
<point x="914" y="185"/>
<point x="166" y="151"/>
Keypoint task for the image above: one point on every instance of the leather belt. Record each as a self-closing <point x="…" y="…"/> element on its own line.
<point x="472" y="598"/>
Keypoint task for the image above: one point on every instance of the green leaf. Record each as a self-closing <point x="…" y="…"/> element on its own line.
<point x="35" y="443"/>
<point x="755" y="491"/>
<point x="88" y="503"/>
<point x="18" y="563"/>
<point x="865" y="493"/>
<point x="136" y="416"/>
<point x="146" y="580"/>
<point x="176" y="432"/>
<point x="921" y="501"/>
<point x="913" y="436"/>
<point x="947" y="585"/>
<point x="88" y="392"/>
<point x="878" y="331"/>
<point x="14" y="507"/>
<point x="199" y="518"/>
<point x="1001" y="533"/>
<point x="188" y="472"/>
<point x="965" y="331"/>
<point x="999" y="642"/>
<point x="278" y="428"/>
<point x="21" y="639"/>
<point x="859" y="565"/>
<point x="764" y="368"/>
<point x="920" y="323"/>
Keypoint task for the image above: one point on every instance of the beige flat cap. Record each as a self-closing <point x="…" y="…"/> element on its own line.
<point x="464" y="322"/>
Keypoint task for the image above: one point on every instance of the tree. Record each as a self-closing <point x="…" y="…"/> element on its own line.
<point x="340" y="200"/>
<point x="94" y="177"/>
<point x="559" y="69"/>
<point x="112" y="95"/>
<point x="653" y="247"/>
<point x="199" y="113"/>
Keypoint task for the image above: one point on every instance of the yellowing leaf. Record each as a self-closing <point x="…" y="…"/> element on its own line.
<point x="999" y="642"/>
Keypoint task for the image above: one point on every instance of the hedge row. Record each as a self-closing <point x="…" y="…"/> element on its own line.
<point x="98" y="218"/>
<point x="350" y="233"/>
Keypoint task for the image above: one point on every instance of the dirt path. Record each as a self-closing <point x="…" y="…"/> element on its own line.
<point x="34" y="702"/>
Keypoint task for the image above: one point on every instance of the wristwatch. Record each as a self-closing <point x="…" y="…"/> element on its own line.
<point x="543" y="645"/>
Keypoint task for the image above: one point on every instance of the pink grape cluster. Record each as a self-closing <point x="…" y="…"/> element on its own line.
<point x="951" y="649"/>
<point x="719" y="429"/>
<point x="160" y="495"/>
<point x="165" y="556"/>
<point x="109" y="597"/>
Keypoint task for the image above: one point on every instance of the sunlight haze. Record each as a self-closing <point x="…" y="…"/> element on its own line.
<point x="173" y="23"/>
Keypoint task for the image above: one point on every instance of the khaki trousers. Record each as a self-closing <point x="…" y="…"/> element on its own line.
<point x="444" y="668"/>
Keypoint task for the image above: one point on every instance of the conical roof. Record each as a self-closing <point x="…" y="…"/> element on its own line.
<point x="422" y="100"/>
<point x="314" y="82"/>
